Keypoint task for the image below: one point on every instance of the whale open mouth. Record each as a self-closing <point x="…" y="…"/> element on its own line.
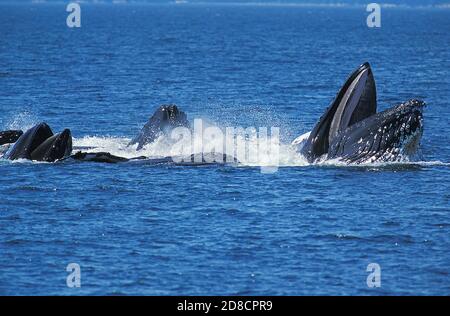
<point x="355" y="101"/>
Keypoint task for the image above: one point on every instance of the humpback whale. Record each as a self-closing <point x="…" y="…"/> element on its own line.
<point x="162" y="122"/>
<point x="352" y="131"/>
<point x="40" y="144"/>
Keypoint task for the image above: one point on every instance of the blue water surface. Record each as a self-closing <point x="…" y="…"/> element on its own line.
<point x="135" y="228"/>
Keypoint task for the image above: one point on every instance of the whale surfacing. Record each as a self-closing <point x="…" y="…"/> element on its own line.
<point x="39" y="144"/>
<point x="162" y="122"/>
<point x="352" y="131"/>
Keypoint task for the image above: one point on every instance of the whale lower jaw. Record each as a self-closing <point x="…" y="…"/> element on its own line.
<point x="406" y="151"/>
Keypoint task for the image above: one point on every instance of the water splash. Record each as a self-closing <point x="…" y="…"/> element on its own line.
<point x="22" y="121"/>
<point x="288" y="153"/>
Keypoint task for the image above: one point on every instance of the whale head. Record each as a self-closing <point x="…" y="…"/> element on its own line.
<point x="54" y="148"/>
<point x="29" y="141"/>
<point x="355" y="101"/>
<point x="162" y="122"/>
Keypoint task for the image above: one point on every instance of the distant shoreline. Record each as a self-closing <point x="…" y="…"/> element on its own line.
<point x="305" y="4"/>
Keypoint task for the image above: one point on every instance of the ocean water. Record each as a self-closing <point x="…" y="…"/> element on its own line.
<point x="137" y="228"/>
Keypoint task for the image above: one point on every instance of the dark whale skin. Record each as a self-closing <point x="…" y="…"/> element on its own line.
<point x="383" y="137"/>
<point x="9" y="137"/>
<point x="162" y="122"/>
<point x="29" y="141"/>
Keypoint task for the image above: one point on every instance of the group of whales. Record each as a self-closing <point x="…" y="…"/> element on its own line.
<point x="40" y="144"/>
<point x="350" y="130"/>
